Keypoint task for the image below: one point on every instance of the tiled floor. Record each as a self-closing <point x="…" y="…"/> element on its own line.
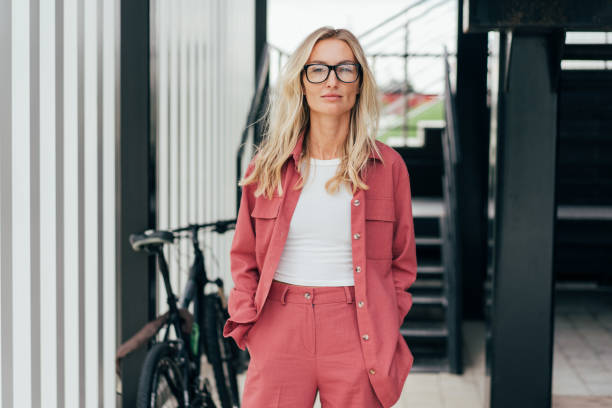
<point x="582" y="362"/>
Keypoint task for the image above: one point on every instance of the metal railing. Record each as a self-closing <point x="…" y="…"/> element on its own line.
<point x="450" y="226"/>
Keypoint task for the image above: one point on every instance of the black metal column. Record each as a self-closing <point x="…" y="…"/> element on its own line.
<point x="473" y="126"/>
<point x="522" y="313"/>
<point x="135" y="175"/>
<point x="261" y="37"/>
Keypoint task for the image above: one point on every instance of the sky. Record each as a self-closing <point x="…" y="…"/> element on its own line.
<point x="290" y="21"/>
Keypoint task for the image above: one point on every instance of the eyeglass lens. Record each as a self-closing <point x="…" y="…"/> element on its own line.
<point x="319" y="73"/>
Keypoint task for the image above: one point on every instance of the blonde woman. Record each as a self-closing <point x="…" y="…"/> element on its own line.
<point x="324" y="245"/>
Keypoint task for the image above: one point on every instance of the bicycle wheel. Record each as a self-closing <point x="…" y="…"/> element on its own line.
<point x="220" y="353"/>
<point x="161" y="381"/>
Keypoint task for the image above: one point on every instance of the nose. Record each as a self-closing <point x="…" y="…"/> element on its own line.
<point x="332" y="78"/>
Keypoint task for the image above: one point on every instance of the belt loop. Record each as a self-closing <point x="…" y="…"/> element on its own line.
<point x="282" y="299"/>
<point x="347" y="292"/>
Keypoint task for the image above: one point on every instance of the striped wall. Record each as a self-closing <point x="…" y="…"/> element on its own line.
<point x="58" y="123"/>
<point x="59" y="90"/>
<point x="203" y="70"/>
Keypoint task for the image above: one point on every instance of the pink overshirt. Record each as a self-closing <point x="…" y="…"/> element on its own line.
<point x="384" y="261"/>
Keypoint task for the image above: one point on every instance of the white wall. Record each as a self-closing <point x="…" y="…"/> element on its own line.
<point x="203" y="80"/>
<point x="59" y="90"/>
<point x="58" y="122"/>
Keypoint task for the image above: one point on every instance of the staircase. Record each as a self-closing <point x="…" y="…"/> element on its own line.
<point x="583" y="238"/>
<point x="432" y="327"/>
<point x="428" y="327"/>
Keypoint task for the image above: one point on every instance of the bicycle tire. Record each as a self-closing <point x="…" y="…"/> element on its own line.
<point x="160" y="364"/>
<point x="220" y="354"/>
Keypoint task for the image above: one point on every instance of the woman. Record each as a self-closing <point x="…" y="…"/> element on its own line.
<point x="324" y="245"/>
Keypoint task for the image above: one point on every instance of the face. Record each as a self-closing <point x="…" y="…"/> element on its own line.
<point x="330" y="51"/>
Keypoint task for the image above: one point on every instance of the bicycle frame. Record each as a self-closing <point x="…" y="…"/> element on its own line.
<point x="174" y="321"/>
<point x="188" y="348"/>
<point x="194" y="290"/>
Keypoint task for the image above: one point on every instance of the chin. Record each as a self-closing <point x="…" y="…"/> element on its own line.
<point x="336" y="111"/>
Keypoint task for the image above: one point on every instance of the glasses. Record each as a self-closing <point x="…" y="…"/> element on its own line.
<point x="345" y="72"/>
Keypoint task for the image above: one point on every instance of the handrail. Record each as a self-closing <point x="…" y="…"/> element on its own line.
<point x="451" y="111"/>
<point x="452" y="157"/>
<point x="256" y="102"/>
<point x="403" y="24"/>
<point x="389" y="19"/>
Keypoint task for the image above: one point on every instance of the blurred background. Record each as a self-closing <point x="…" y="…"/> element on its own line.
<point x="122" y="116"/>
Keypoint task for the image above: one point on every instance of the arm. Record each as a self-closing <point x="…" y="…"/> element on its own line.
<point x="245" y="273"/>
<point x="404" y="262"/>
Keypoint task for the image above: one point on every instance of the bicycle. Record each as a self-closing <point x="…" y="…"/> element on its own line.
<point x="171" y="373"/>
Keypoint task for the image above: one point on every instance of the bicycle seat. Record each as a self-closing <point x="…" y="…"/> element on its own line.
<point x="150" y="238"/>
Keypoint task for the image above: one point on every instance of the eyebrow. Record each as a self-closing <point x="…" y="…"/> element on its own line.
<point x="323" y="62"/>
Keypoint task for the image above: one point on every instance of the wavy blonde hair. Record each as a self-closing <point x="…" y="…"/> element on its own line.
<point x="288" y="113"/>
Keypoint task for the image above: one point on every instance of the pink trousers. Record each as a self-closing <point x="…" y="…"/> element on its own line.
<point x="306" y="340"/>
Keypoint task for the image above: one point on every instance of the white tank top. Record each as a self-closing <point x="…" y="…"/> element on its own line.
<point x="318" y="250"/>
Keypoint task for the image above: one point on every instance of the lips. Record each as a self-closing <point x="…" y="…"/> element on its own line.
<point x="332" y="97"/>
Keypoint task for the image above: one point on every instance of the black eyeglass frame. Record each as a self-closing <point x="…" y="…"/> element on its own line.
<point x="331" y="68"/>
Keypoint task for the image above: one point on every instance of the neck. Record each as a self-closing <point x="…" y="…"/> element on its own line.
<point x="327" y="134"/>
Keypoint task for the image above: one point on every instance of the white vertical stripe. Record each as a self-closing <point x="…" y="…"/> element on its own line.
<point x="71" y="198"/>
<point x="205" y="70"/>
<point x="110" y="27"/>
<point x="174" y="135"/>
<point x="20" y="95"/>
<point x="201" y="112"/>
<point x="192" y="180"/>
<point x="48" y="245"/>
<point x="2" y="272"/>
<point x="90" y="151"/>
<point x="163" y="165"/>
<point x="183" y="139"/>
<point x="210" y="102"/>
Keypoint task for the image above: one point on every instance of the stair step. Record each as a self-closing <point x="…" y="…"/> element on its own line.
<point x="587" y="52"/>
<point x="584" y="212"/>
<point x="429" y="300"/>
<point x="430" y="269"/>
<point x="430" y="365"/>
<point x="424" y="330"/>
<point x="427" y="207"/>
<point x="428" y="284"/>
<point x="428" y="241"/>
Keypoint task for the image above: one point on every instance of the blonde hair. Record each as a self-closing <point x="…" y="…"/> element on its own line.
<point x="288" y="114"/>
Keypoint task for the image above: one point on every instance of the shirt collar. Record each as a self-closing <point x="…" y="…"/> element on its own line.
<point x="297" y="150"/>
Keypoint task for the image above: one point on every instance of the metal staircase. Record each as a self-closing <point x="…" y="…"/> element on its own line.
<point x="583" y="242"/>
<point x="425" y="328"/>
<point x="432" y="328"/>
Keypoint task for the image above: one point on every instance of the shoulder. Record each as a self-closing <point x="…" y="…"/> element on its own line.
<point x="394" y="160"/>
<point x="390" y="156"/>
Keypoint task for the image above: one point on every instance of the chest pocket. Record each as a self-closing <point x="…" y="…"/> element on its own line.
<point x="379" y="219"/>
<point x="265" y="213"/>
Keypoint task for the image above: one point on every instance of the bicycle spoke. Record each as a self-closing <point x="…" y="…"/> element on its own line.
<point x="171" y="381"/>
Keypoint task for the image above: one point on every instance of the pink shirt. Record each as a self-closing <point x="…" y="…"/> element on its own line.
<point x="384" y="261"/>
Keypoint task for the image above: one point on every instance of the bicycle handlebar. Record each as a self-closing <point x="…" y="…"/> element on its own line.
<point x="219" y="226"/>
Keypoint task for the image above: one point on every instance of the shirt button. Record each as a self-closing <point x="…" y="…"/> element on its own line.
<point x="356" y="202"/>
<point x="307" y="295"/>
<point x="356" y="236"/>
<point x="372" y="371"/>
<point x="358" y="269"/>
<point x="365" y="337"/>
<point x="360" y="304"/>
